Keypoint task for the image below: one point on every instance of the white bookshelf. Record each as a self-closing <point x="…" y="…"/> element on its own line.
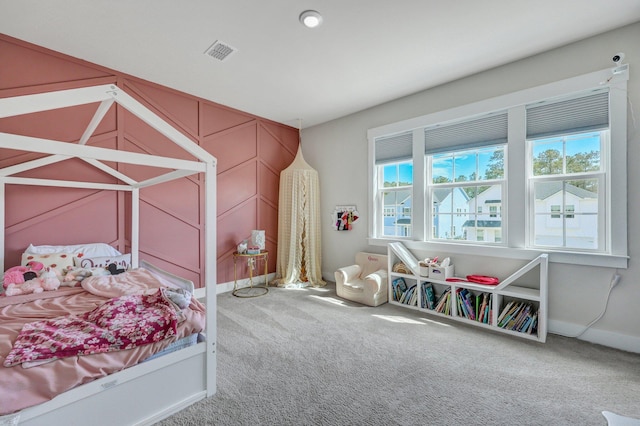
<point x="510" y="289"/>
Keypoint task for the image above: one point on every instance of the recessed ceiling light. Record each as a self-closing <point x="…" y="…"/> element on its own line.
<point x="310" y="18"/>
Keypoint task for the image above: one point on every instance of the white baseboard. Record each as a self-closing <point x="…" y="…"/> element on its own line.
<point x="228" y="286"/>
<point x="601" y="337"/>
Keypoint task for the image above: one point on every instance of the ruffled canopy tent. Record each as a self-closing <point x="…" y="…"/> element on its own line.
<point x="299" y="238"/>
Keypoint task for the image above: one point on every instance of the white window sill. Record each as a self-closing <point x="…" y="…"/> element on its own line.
<point x="574" y="258"/>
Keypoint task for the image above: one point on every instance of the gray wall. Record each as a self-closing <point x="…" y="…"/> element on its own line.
<point x="577" y="294"/>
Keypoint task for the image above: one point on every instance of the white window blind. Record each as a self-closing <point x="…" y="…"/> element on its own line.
<point x="396" y="148"/>
<point x="574" y="115"/>
<point x="484" y="131"/>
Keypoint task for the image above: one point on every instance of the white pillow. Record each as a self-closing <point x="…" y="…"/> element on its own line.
<point x="122" y="262"/>
<point x="59" y="261"/>
<point x="85" y="250"/>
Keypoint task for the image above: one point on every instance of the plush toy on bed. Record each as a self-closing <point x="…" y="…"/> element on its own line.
<point x="20" y="274"/>
<point x="113" y="269"/>
<point x="48" y="280"/>
<point x="27" y="287"/>
<point x="74" y="276"/>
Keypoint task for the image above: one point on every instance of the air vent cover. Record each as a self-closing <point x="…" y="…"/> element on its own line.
<point x="220" y="50"/>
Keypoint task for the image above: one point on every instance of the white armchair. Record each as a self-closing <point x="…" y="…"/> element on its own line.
<point x="366" y="281"/>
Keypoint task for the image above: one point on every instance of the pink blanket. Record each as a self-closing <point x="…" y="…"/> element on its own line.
<point x="25" y="387"/>
<point x="121" y="323"/>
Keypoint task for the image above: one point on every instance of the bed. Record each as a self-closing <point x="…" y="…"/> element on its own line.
<point x="120" y="393"/>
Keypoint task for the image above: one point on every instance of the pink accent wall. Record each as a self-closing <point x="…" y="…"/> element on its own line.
<point x="251" y="152"/>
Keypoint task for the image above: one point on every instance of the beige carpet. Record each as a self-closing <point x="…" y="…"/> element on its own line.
<point x="305" y="357"/>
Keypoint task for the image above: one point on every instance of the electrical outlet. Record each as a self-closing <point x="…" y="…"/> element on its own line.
<point x="615" y="280"/>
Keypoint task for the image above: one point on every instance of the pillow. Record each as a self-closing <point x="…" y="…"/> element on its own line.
<point x="84" y="250"/>
<point x="122" y="262"/>
<point x="58" y="261"/>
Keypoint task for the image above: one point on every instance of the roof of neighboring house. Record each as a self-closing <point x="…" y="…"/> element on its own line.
<point x="440" y="194"/>
<point x="402" y="195"/>
<point x="547" y="189"/>
<point x="482" y="224"/>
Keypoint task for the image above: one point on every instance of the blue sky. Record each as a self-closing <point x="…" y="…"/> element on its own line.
<point x="574" y="145"/>
<point x="463" y="164"/>
<point x="404" y="172"/>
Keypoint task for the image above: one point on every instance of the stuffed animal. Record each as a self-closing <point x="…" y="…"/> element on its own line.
<point x="35" y="266"/>
<point x="74" y="276"/>
<point x="179" y="296"/>
<point x="99" y="272"/>
<point x="49" y="279"/>
<point x="20" y="274"/>
<point x="12" y="276"/>
<point x="113" y="269"/>
<point x="27" y="287"/>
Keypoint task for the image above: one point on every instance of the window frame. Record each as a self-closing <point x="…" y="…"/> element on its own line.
<point x="515" y="244"/>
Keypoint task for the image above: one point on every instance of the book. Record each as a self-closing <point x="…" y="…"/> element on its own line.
<point x="398" y="287"/>
<point x="413" y="299"/>
<point x="483" y="305"/>
<point x="443" y="304"/>
<point x="462" y="312"/>
<point x="407" y="297"/>
<point x="430" y="296"/>
<point x="516" y="318"/>
<point x="467" y="298"/>
<point x="504" y="311"/>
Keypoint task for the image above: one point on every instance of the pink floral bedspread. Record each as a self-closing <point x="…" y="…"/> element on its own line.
<point x="121" y="323"/>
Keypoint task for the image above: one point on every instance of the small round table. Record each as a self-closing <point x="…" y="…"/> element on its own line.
<point x="251" y="290"/>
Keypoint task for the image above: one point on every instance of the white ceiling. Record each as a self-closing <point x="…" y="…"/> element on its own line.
<point x="365" y="53"/>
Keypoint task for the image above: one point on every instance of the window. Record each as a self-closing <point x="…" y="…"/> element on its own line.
<point x="569" y="210"/>
<point x="567" y="171"/>
<point x="466" y="172"/>
<point x="395" y="194"/>
<point x="394" y="186"/>
<point x="466" y="180"/>
<point x="538" y="160"/>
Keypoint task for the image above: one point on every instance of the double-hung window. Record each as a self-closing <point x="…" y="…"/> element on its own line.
<point x="394" y="185"/>
<point x="538" y="170"/>
<point x="466" y="173"/>
<point x="567" y="173"/>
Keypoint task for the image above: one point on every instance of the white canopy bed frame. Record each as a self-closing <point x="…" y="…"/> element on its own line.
<point x="150" y="391"/>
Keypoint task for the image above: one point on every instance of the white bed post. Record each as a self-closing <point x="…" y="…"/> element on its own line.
<point x="135" y="226"/>
<point x="2" y="203"/>
<point x="210" y="280"/>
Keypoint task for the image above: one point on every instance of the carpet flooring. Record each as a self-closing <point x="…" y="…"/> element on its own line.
<point x="306" y="357"/>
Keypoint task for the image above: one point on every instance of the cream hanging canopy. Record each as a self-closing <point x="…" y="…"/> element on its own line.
<point x="299" y="239"/>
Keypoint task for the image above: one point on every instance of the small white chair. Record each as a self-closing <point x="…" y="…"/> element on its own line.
<point x="366" y="281"/>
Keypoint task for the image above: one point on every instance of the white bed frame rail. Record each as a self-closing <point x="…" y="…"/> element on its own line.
<point x="151" y="391"/>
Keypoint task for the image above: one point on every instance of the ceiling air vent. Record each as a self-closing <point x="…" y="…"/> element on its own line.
<point x="220" y="50"/>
